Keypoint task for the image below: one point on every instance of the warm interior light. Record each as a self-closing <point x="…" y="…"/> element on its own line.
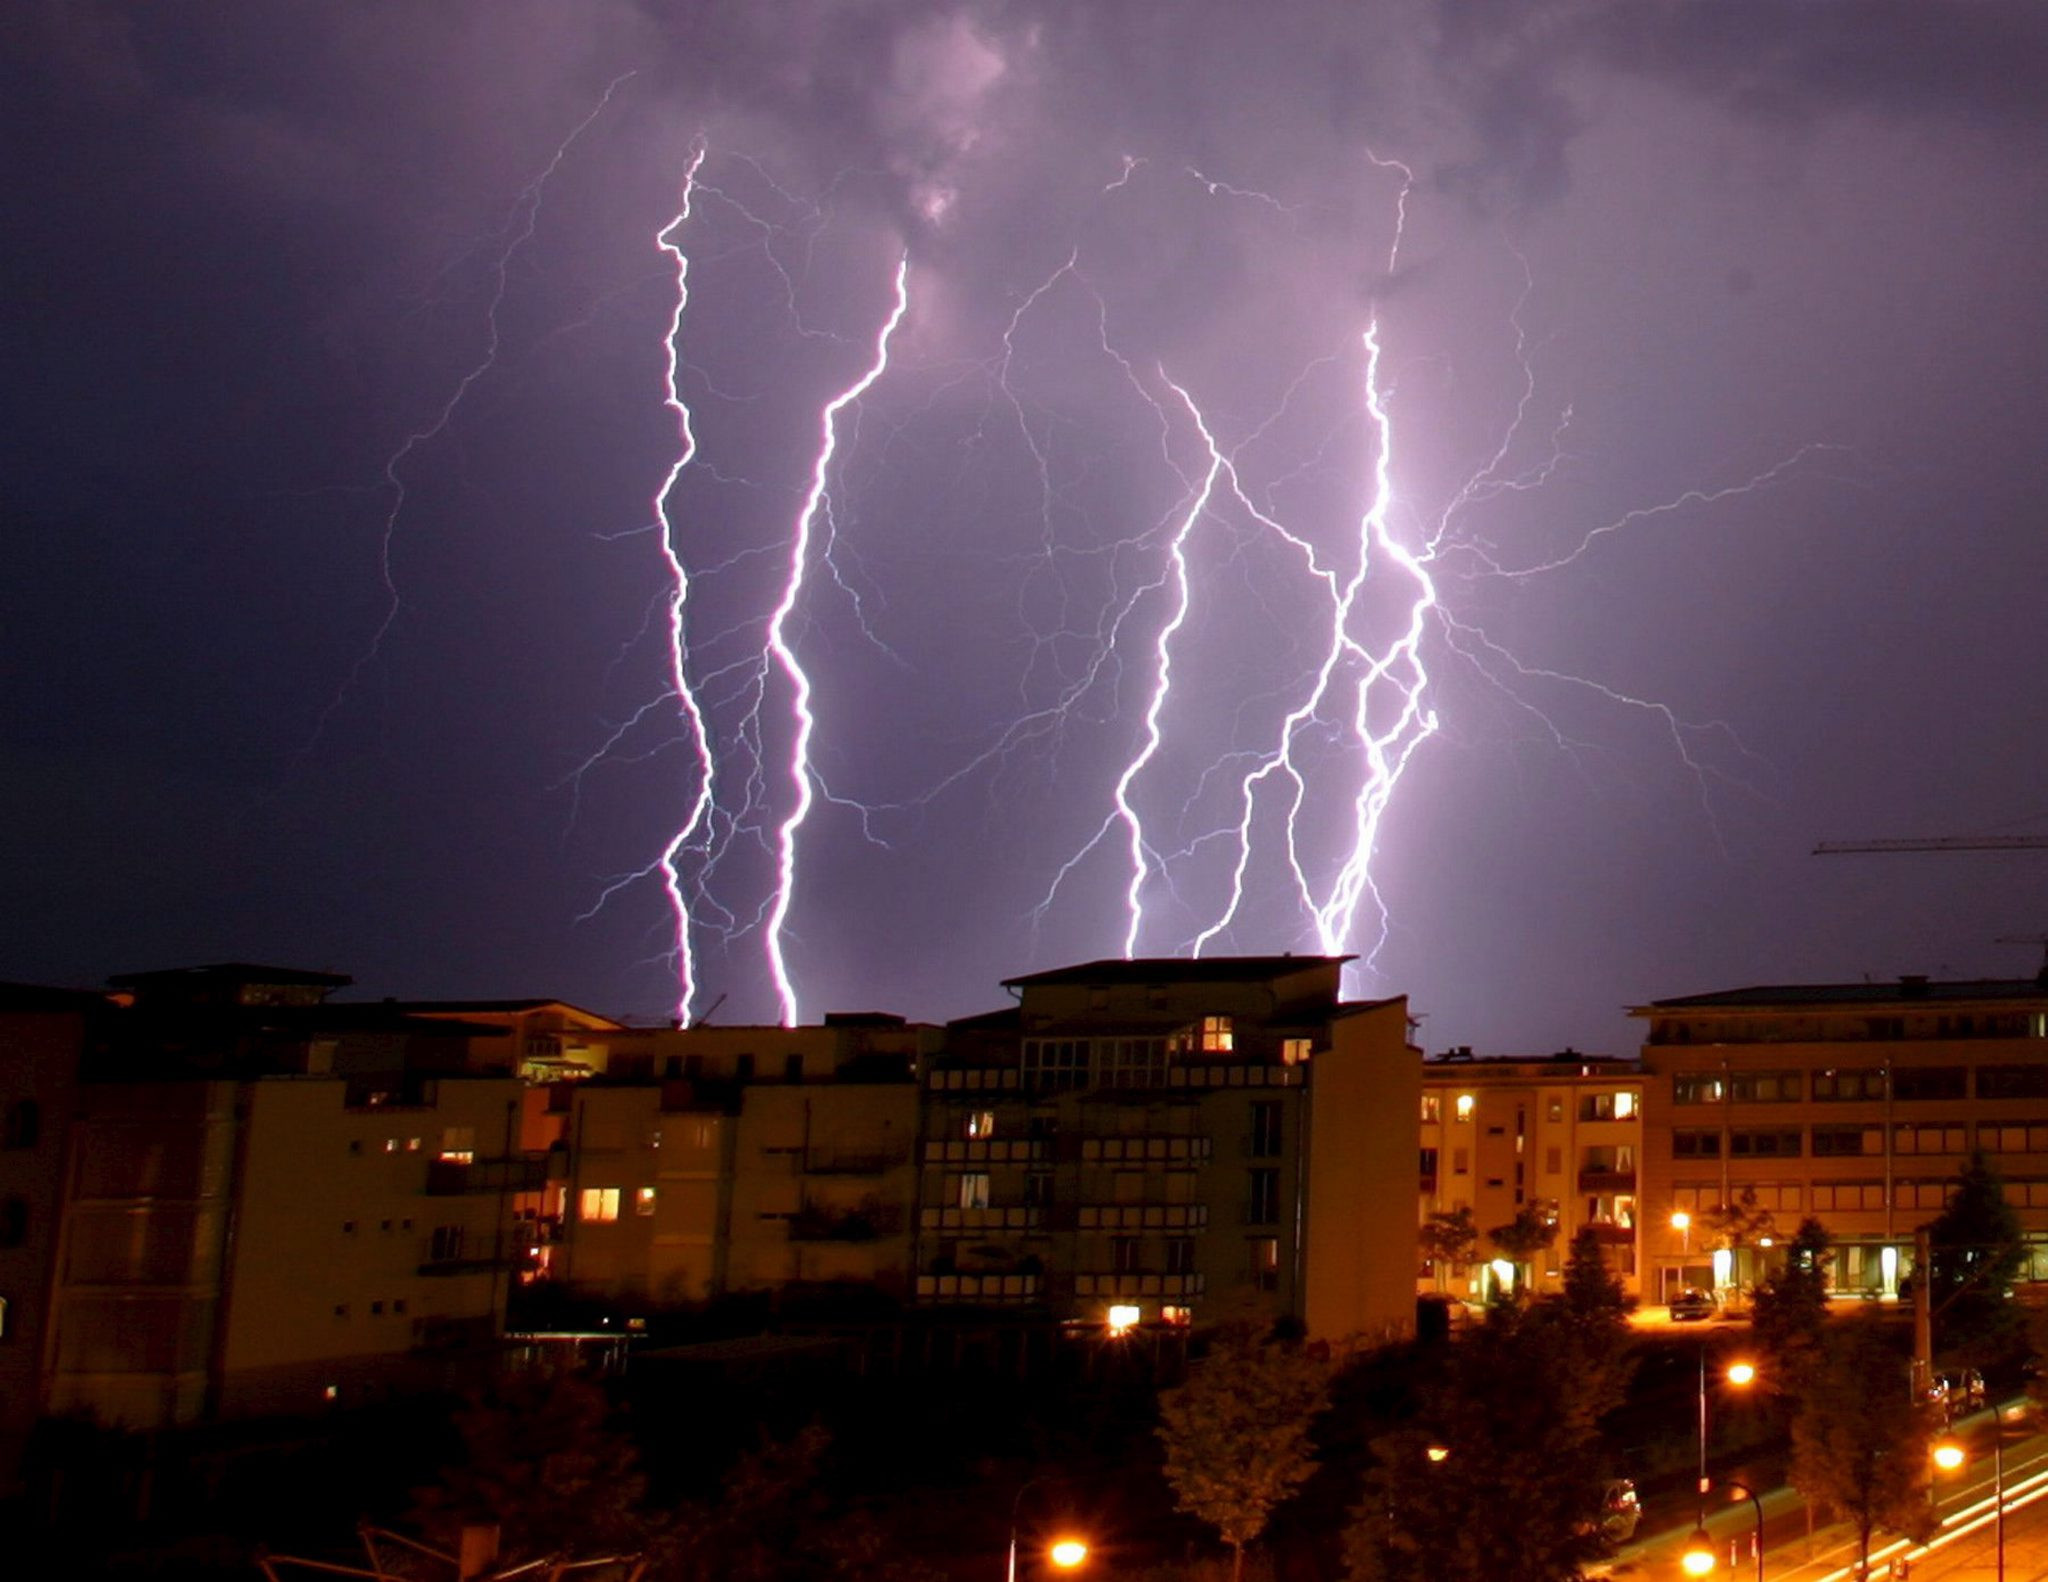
<point x="1123" y="1318"/>
<point x="1681" y="1220"/>
<point x="1438" y="1452"/>
<point x="1699" y="1557"/>
<point x="1948" y="1455"/>
<point x="1741" y="1372"/>
<point x="1068" y="1553"/>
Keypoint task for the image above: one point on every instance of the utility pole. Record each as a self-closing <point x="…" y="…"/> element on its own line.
<point x="1923" y="1313"/>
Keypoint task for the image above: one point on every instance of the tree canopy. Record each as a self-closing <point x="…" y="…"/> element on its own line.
<point x="1976" y="1250"/>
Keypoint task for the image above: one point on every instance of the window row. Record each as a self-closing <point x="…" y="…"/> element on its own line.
<point x="1848" y="1083"/>
<point x="1841" y="1142"/>
<point x="600" y="1205"/>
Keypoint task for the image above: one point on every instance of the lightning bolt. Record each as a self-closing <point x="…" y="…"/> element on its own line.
<point x="784" y="655"/>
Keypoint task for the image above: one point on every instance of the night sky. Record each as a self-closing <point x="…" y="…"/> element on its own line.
<point x="1708" y="406"/>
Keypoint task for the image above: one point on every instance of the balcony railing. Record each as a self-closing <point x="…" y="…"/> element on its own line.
<point x="1607" y="1230"/>
<point x="852" y="1161"/>
<point x="1144" y="1216"/>
<point x="454" y="1177"/>
<point x="979" y="1288"/>
<point x="985" y="1150"/>
<point x="1012" y="1218"/>
<point x="1132" y="1284"/>
<point x="870" y="1222"/>
<point x="1147" y="1150"/>
<point x="1607" y="1180"/>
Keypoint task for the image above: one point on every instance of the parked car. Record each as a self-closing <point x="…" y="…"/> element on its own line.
<point x="1620" y="1511"/>
<point x="1691" y="1305"/>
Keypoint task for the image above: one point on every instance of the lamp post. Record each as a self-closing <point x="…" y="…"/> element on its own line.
<point x="1066" y="1552"/>
<point x="1949" y="1455"/>
<point x="1699" y="1557"/>
<point x="1737" y="1373"/>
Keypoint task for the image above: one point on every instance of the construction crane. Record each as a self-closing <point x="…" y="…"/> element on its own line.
<point x="1849" y="848"/>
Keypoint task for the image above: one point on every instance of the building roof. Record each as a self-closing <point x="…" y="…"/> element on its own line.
<point x="1899" y="992"/>
<point x="38" y="997"/>
<point x="496" y="1007"/>
<point x="1178" y="969"/>
<point x="231" y="972"/>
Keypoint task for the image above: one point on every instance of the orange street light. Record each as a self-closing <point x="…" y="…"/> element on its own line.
<point x="1741" y="1373"/>
<point x="1950" y="1456"/>
<point x="1438" y="1452"/>
<point x="1067" y="1553"/>
<point x="1699" y="1558"/>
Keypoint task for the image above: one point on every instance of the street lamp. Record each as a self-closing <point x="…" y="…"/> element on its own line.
<point x="1949" y="1456"/>
<point x="1065" y="1552"/>
<point x="1682" y="1223"/>
<point x="1699" y="1558"/>
<point x="1738" y="1374"/>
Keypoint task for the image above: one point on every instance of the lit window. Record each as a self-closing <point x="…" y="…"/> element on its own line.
<point x="1294" y="1052"/>
<point x="331" y="1393"/>
<point x="391" y="1145"/>
<point x="458" y="1144"/>
<point x="1432" y="1109"/>
<point x="412" y="1145"/>
<point x="599" y="1205"/>
<point x="703" y="1134"/>
<point x="974" y="1189"/>
<point x="1464" y="1106"/>
<point x="1624" y="1105"/>
<point x="1216" y="1035"/>
<point x="643" y="1200"/>
<point x="982" y="1123"/>
<point x="1176" y="1315"/>
<point x="1124" y="1318"/>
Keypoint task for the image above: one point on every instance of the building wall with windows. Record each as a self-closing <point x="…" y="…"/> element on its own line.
<point x="1562" y="1134"/>
<point x="1144" y="1137"/>
<point x="233" y="1248"/>
<point x="1856" y="1104"/>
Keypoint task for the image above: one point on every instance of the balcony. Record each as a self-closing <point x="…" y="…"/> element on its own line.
<point x="1144" y="1216"/>
<point x="1607" y="1180"/>
<point x="986" y="1150"/>
<point x="454" y="1177"/>
<point x="1017" y="1218"/>
<point x="979" y="1288"/>
<point x="441" y="1267"/>
<point x="1147" y="1150"/>
<point x="864" y="1222"/>
<point x="1137" y="1283"/>
<point x="1611" y="1232"/>
<point x="852" y="1161"/>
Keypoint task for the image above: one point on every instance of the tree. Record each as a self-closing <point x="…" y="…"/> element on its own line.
<point x="1859" y="1442"/>
<point x="1976" y="1250"/>
<point x="1449" y="1240"/>
<point x="1593" y="1298"/>
<point x="1791" y="1307"/>
<point x="545" y="1462"/>
<point x="1236" y="1432"/>
<point x="1501" y="1476"/>
<point x="1531" y="1231"/>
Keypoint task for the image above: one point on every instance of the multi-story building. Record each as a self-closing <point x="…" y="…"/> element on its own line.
<point x="1562" y="1134"/>
<point x="43" y="1039"/>
<point x="1177" y="1140"/>
<point x="1856" y="1104"/>
<point x="721" y="1159"/>
<point x="268" y="1202"/>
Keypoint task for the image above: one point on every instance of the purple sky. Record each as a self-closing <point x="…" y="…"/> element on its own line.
<point x="1711" y="366"/>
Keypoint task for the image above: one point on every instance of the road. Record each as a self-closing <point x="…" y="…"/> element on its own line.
<point x="1964" y="1550"/>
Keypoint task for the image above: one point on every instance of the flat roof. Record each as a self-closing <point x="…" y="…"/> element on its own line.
<point x="232" y="972"/>
<point x="1179" y="969"/>
<point x="1896" y="992"/>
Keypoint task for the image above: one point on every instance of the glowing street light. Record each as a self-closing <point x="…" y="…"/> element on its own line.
<point x="1950" y="1456"/>
<point x="1740" y="1374"/>
<point x="1066" y="1552"/>
<point x="1699" y="1558"/>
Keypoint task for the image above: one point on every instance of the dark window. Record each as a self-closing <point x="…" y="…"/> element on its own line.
<point x="2012" y="1082"/>
<point x="1930" y="1082"/>
<point x="693" y="1066"/>
<point x="1764" y="1144"/>
<point x="743" y="1068"/>
<point x="1695" y="1145"/>
<point x="1834" y="1142"/>
<point x="672" y="1066"/>
<point x="1764" y="1087"/>
<point x="1180" y="1255"/>
<point x="1429" y="1164"/>
<point x="23" y="1124"/>
<point x="13" y="1221"/>
<point x="447" y="1243"/>
<point x="1266" y="1129"/>
<point x="1262" y="1206"/>
<point x="1123" y="1252"/>
<point x="792" y="1068"/>
<point x="1266" y="1263"/>
<point x="1038" y="1188"/>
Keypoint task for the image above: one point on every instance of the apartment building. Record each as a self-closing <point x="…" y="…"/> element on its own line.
<point x="1562" y="1134"/>
<point x="1855" y="1104"/>
<point x="718" y="1159"/>
<point x="1175" y="1140"/>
